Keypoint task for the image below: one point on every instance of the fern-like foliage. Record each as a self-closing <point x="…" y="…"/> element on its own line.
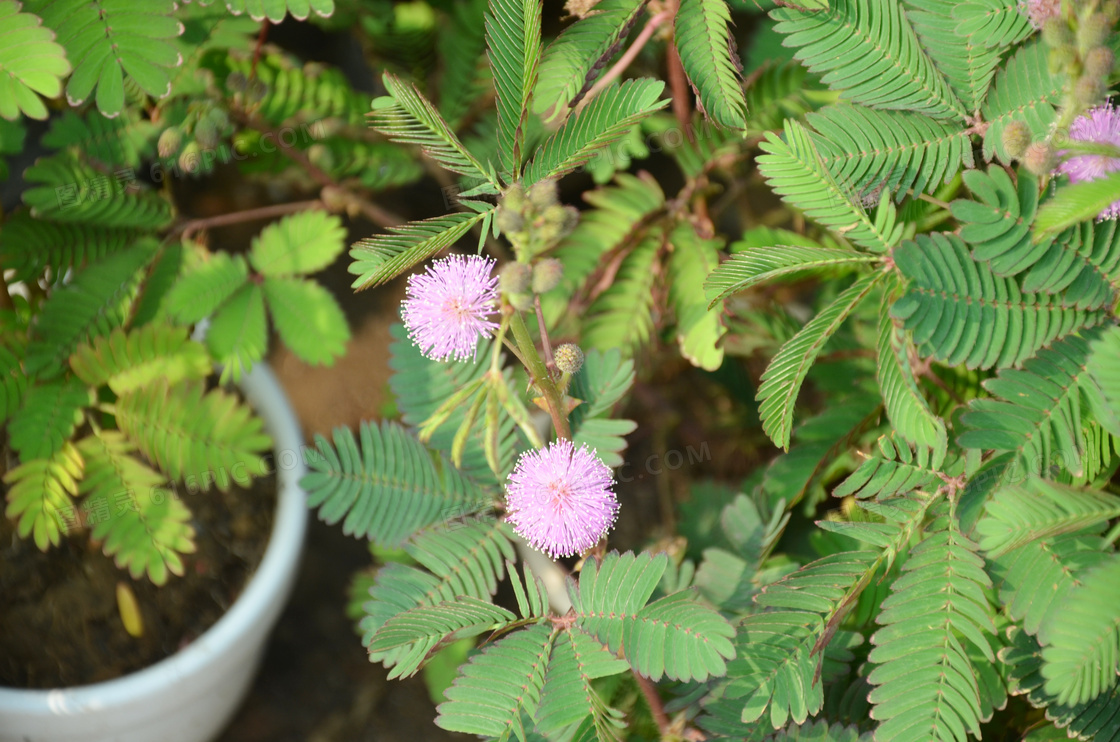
<point x="385" y="484"/>
<point x="419" y="631"/>
<point x="276" y="10"/>
<point x="460" y="558"/>
<point x="112" y="142"/>
<point x="50" y="414"/>
<point x="1080" y="657"/>
<point x="600" y="383"/>
<point x="893" y="469"/>
<point x="870" y="52"/>
<point x="568" y="698"/>
<point x="110" y="41"/>
<point x="71" y="190"/>
<point x="513" y="40"/>
<point x="602" y="122"/>
<point x="378" y="260"/>
<point x="406" y="116"/>
<point x="967" y="64"/>
<point x="32" y="246"/>
<point x="699" y="329"/>
<point x="499" y="685"/>
<point x="794" y="171"/>
<point x="463" y="42"/>
<point x="1038" y="411"/>
<point x="1097" y="720"/>
<point x="126" y="361"/>
<point x="1083" y="263"/>
<point x="1022" y="90"/>
<point x="674" y="636"/>
<point x="143" y="525"/>
<point x="31" y="63"/>
<point x="896" y="151"/>
<point x="620" y="317"/>
<point x="906" y="405"/>
<point x="936" y="615"/>
<point x="13" y="380"/>
<point x="422" y="387"/>
<point x="704" y="44"/>
<point x="40" y="495"/>
<point x="205" y="438"/>
<point x="571" y="63"/>
<point x="1037" y="509"/>
<point x="787" y="370"/>
<point x="92" y="305"/>
<point x="753" y="266"/>
<point x="960" y="312"/>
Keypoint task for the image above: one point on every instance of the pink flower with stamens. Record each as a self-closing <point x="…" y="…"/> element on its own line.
<point x="1102" y="126"/>
<point x="560" y="499"/>
<point x="447" y="306"/>
<point x="1040" y="11"/>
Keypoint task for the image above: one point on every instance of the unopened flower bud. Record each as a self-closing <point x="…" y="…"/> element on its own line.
<point x="1039" y="158"/>
<point x="1056" y="33"/>
<point x="546" y="275"/>
<point x="1016" y="139"/>
<point x="509" y="220"/>
<point x="514" y="198"/>
<point x="206" y="133"/>
<point x="169" y="142"/>
<point x="255" y="91"/>
<point x="544" y="194"/>
<point x="1093" y="31"/>
<point x="334" y="198"/>
<point x="1088" y="90"/>
<point x="568" y="358"/>
<point x="1098" y="63"/>
<point x="237" y="82"/>
<point x="1064" y="61"/>
<point x="515" y="278"/>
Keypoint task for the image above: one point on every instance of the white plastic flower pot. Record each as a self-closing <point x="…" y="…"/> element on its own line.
<point x="192" y="695"/>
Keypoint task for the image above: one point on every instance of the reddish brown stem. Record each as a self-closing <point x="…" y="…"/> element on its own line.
<point x="656" y="708"/>
<point x="261" y="38"/>
<point x="248" y="215"/>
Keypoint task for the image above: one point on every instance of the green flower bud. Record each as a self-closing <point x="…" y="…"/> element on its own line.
<point x="508" y="220"/>
<point x="513" y="199"/>
<point x="568" y="358"/>
<point x="170" y="140"/>
<point x="1016" y="139"/>
<point x="1099" y="62"/>
<point x="546" y="275"/>
<point x="255" y="91"/>
<point x="1093" y="31"/>
<point x="1039" y="158"/>
<point x="544" y="194"/>
<point x="521" y="302"/>
<point x="1088" y="90"/>
<point x="237" y="82"/>
<point x="206" y="133"/>
<point x="1057" y="33"/>
<point x="515" y="278"/>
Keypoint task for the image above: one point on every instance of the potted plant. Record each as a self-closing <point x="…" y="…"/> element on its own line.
<point x="123" y="330"/>
<point x="947" y="239"/>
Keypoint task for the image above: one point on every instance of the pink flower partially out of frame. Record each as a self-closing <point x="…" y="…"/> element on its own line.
<point x="1102" y="126"/>
<point x="447" y="306"/>
<point x="560" y="499"/>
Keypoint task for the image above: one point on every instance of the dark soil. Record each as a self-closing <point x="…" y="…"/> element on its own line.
<point x="59" y="621"/>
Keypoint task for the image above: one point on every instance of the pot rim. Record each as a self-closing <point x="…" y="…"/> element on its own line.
<point x="267" y="397"/>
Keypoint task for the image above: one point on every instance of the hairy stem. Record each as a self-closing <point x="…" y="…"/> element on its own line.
<point x="656" y="708"/>
<point x="248" y="215"/>
<point x="624" y="61"/>
<point x="539" y="374"/>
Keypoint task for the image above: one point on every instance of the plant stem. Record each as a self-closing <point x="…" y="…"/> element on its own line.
<point x="624" y="61"/>
<point x="545" y="344"/>
<point x="539" y="374"/>
<point x="656" y="708"/>
<point x="237" y="217"/>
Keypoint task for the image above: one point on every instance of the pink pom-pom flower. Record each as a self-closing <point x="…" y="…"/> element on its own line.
<point x="1102" y="126"/>
<point x="560" y="499"/>
<point x="447" y="307"/>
